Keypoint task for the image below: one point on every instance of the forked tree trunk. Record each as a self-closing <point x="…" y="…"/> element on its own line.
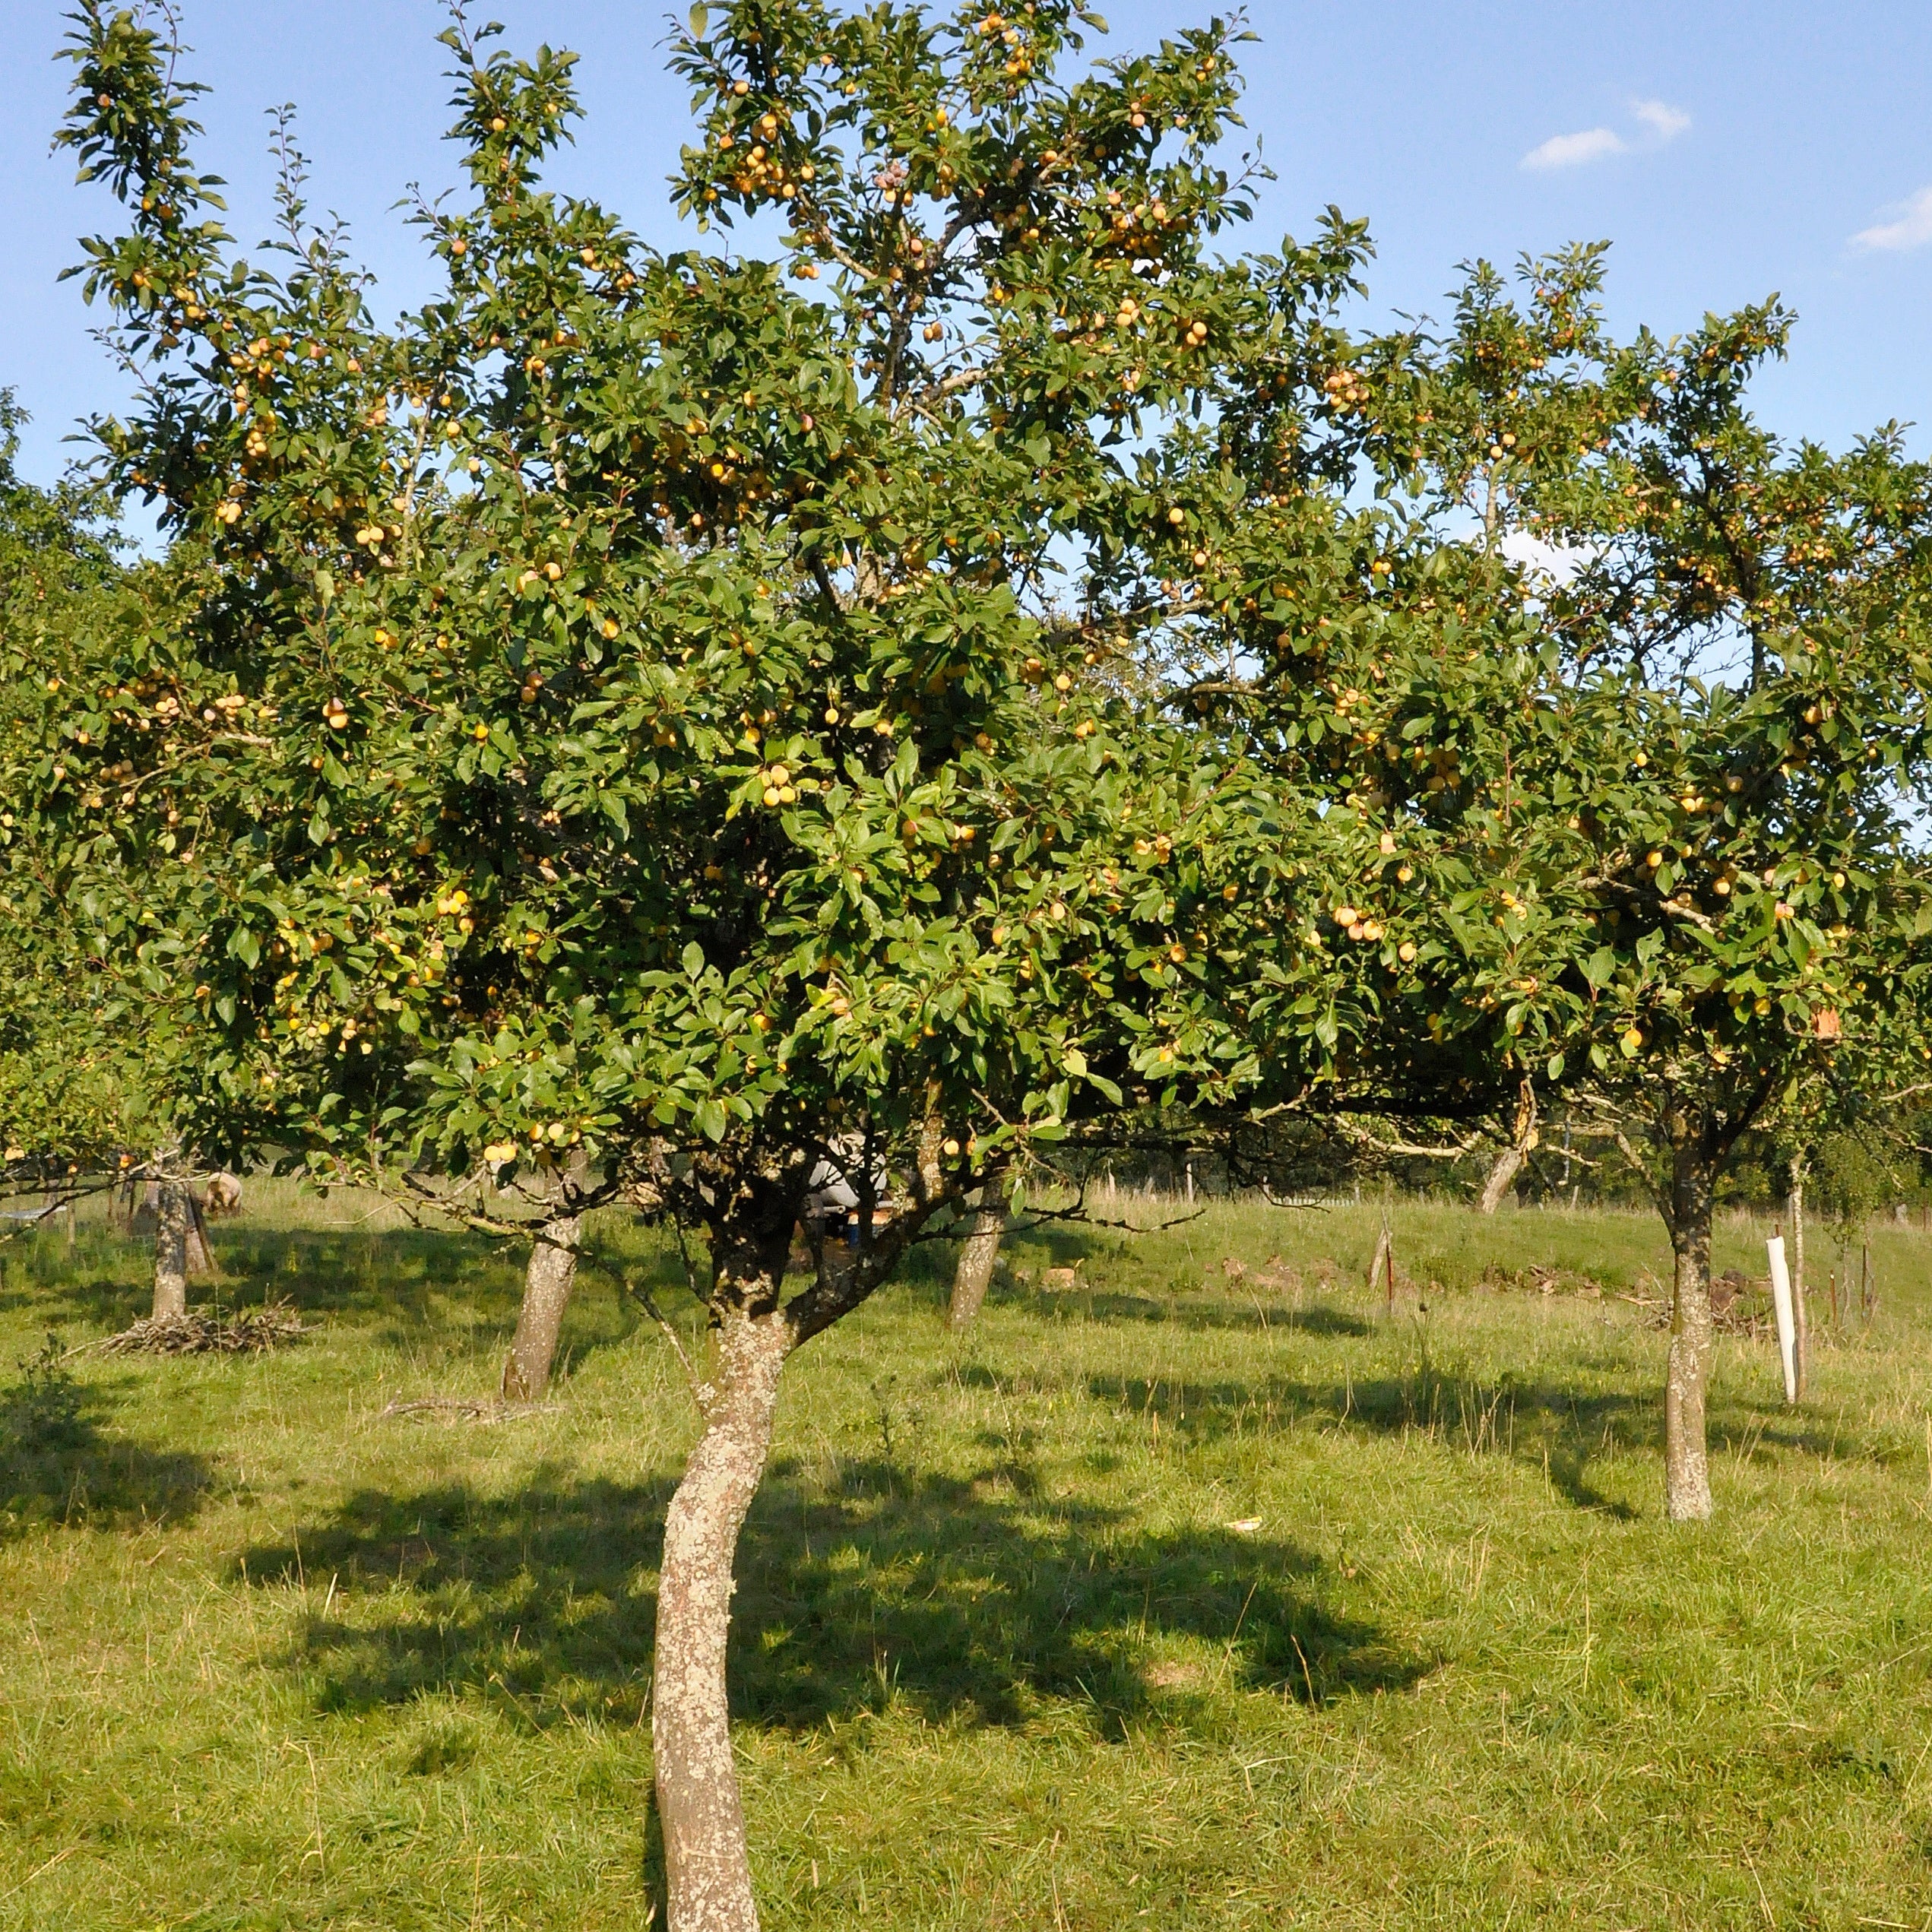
<point x="1686" y="1462"/>
<point x="547" y="1282"/>
<point x="973" y="1274"/>
<point x="171" y="1223"/>
<point x="707" y="1866"/>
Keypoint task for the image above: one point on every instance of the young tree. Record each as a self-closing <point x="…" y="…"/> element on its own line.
<point x="1741" y="929"/>
<point x="639" y="712"/>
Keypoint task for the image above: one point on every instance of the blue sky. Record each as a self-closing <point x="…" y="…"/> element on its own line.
<point x="1728" y="150"/>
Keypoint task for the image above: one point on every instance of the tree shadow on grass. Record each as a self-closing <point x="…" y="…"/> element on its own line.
<point x="390" y="1283"/>
<point x="1193" y="1311"/>
<point x="1533" y="1423"/>
<point x="389" y="1278"/>
<point x="968" y="1600"/>
<point x="58" y="1467"/>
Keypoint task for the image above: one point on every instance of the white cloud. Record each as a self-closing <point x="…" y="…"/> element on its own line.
<point x="1912" y="230"/>
<point x="1665" y="121"/>
<point x="1661" y="122"/>
<point x="1572" y="151"/>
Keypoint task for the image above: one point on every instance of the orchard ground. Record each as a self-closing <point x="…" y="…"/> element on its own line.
<point x="1176" y="1597"/>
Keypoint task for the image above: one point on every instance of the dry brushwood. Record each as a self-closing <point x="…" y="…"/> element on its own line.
<point x="252" y="1331"/>
<point x="1740" y="1305"/>
<point x="469" y="1408"/>
<point x="1539" y="1279"/>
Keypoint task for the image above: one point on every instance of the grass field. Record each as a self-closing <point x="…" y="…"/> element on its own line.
<point x="270" y="1659"/>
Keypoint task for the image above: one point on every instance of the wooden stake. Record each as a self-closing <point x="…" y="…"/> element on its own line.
<point x="1382" y="1254"/>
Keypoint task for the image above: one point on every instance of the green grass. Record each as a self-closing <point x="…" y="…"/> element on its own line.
<point x="269" y="1658"/>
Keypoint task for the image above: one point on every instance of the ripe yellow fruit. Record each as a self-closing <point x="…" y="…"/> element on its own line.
<point x="1633" y="1039"/>
<point x="1177" y="516"/>
<point x="480" y="732"/>
<point x="1346" y="915"/>
<point x="1405" y="952"/>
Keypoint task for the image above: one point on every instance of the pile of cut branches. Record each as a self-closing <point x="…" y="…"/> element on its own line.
<point x="248" y="1332"/>
<point x="1539" y="1279"/>
<point x="1740" y="1304"/>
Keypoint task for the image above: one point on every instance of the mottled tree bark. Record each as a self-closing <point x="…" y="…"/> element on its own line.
<point x="973" y="1274"/>
<point x="1686" y="1463"/>
<point x="707" y="1865"/>
<point x="547" y="1282"/>
<point x="171" y="1222"/>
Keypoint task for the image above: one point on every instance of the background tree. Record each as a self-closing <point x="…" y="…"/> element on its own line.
<point x="1740" y="927"/>
<point x="71" y="1054"/>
